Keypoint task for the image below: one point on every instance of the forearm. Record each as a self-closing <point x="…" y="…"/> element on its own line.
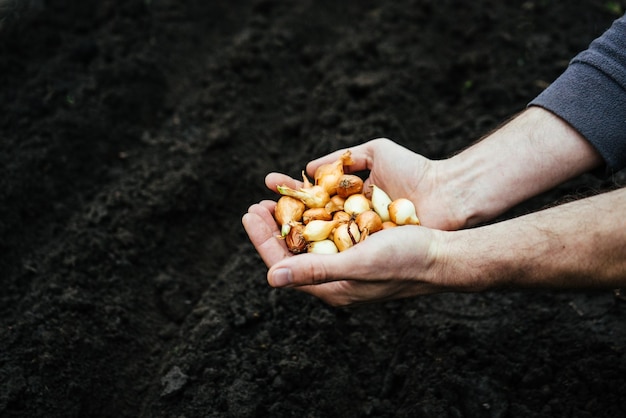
<point x="581" y="244"/>
<point x="532" y="153"/>
<point x="591" y="95"/>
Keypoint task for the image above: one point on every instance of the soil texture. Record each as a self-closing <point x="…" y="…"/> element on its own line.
<point x="134" y="135"/>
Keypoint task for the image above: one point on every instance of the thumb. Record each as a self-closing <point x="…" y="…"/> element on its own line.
<point x="412" y="247"/>
<point x="311" y="269"/>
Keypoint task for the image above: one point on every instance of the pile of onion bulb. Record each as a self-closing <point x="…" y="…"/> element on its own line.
<point x="333" y="213"/>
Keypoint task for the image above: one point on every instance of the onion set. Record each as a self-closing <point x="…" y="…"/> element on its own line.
<point x="288" y="209"/>
<point x="327" y="175"/>
<point x="349" y="184"/>
<point x="325" y="246"/>
<point x="313" y="196"/>
<point x="402" y="212"/>
<point x="316" y="213"/>
<point x="333" y="214"/>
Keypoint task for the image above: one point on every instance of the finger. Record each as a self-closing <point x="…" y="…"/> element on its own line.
<point x="265" y="209"/>
<point x="326" y="159"/>
<point x="272" y="180"/>
<point x="408" y="247"/>
<point x="343" y="293"/>
<point x="313" y="269"/>
<point x="362" y="156"/>
<point x="263" y="236"/>
<point x="351" y="292"/>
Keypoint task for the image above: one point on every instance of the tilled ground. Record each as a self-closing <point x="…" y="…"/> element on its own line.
<point x="136" y="133"/>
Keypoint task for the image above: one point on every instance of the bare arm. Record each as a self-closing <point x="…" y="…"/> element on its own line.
<point x="532" y="153"/>
<point x="581" y="244"/>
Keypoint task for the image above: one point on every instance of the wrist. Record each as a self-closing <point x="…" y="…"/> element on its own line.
<point x="455" y="266"/>
<point x="532" y="153"/>
<point x="458" y="187"/>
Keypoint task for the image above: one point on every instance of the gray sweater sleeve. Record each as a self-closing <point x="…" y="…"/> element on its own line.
<point x="591" y="95"/>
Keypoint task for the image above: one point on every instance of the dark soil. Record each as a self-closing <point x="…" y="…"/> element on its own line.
<point x="134" y="135"/>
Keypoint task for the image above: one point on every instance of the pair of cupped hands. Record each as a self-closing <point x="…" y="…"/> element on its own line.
<point x="387" y="265"/>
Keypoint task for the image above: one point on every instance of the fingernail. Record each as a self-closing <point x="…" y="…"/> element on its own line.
<point x="282" y="277"/>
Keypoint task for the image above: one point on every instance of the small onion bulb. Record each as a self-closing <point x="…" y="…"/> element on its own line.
<point x="324" y="246"/>
<point x="317" y="230"/>
<point x="346" y="235"/>
<point x="355" y="204"/>
<point x="288" y="209"/>
<point x="294" y="239"/>
<point x="342" y="216"/>
<point x="368" y="223"/>
<point x="312" y="196"/>
<point x="327" y="175"/>
<point x="389" y="224"/>
<point x="315" y="213"/>
<point x="380" y="202"/>
<point x="402" y="212"/>
<point x="336" y="203"/>
<point x="349" y="184"/>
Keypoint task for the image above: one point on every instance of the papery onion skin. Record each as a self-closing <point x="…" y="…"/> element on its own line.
<point x="342" y="216"/>
<point x="288" y="209"/>
<point x="402" y="212"/>
<point x="349" y="184"/>
<point x="346" y="235"/>
<point x="316" y="213"/>
<point x="328" y="183"/>
<point x="389" y="224"/>
<point x="295" y="241"/>
<point x="335" y="204"/>
<point x="368" y="223"/>
<point x="327" y="175"/>
<point x="311" y="195"/>
<point x="325" y="246"/>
